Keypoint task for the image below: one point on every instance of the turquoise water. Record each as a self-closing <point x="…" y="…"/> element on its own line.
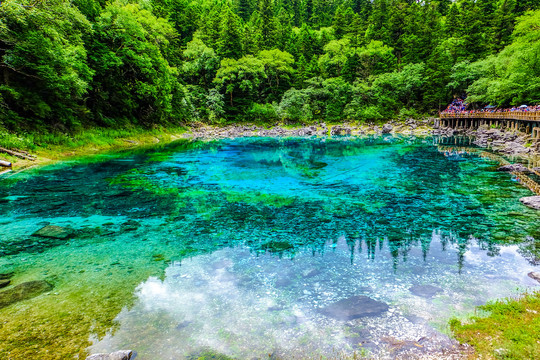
<point x="237" y="246"/>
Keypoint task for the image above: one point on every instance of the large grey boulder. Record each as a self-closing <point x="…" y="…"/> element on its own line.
<point x="514" y="148"/>
<point x="514" y="168"/>
<point x="531" y="201"/>
<point x="341" y="130"/>
<point x="353" y="308"/>
<point x="534" y="275"/>
<point x="387" y="129"/>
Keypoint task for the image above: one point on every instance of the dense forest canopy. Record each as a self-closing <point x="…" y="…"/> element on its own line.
<point x="66" y="64"/>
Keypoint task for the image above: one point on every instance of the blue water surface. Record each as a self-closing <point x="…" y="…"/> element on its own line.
<point x="237" y="246"/>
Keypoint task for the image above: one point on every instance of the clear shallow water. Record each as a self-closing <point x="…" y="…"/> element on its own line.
<point x="236" y="246"/>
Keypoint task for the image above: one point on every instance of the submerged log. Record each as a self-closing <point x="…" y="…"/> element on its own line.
<point x="19" y="154"/>
<point x="117" y="355"/>
<point x="5" y="163"/>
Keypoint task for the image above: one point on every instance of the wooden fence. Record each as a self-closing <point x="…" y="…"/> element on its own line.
<point x="511" y="115"/>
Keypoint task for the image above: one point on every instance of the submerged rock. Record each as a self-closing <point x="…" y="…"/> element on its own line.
<point x="54" y="232"/>
<point x="4" y="276"/>
<point x="212" y="354"/>
<point x="23" y="291"/>
<point x="117" y="355"/>
<point x="277" y="246"/>
<point x="534" y="275"/>
<point x="425" y="291"/>
<point x="183" y="325"/>
<point x="514" y="167"/>
<point x="310" y="273"/>
<point x="282" y="282"/>
<point x="4" y="283"/>
<point x="531" y="201"/>
<point x="130" y="225"/>
<point x="354" y="307"/>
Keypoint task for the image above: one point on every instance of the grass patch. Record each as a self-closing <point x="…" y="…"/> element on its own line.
<point x="503" y="329"/>
<point x="55" y="146"/>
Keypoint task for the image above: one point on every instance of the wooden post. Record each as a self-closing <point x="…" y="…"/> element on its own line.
<point x="5" y="163"/>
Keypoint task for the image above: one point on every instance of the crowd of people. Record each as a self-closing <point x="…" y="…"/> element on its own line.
<point x="460" y="106"/>
<point x="457" y="106"/>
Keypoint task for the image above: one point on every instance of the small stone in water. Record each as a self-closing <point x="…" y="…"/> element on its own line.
<point x="54" y="232"/>
<point x="425" y="291"/>
<point x="130" y="225"/>
<point x="283" y="282"/>
<point x="310" y="273"/>
<point x="183" y="325"/>
<point x="354" y="307"/>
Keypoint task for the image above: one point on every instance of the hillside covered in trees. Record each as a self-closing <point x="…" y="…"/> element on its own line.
<point x="71" y="64"/>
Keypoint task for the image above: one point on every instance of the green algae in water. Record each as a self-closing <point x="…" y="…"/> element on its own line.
<point x="231" y="247"/>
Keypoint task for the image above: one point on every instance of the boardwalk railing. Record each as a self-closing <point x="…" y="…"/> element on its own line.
<point x="511" y="115"/>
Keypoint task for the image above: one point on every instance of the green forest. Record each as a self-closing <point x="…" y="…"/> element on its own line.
<point x="67" y="65"/>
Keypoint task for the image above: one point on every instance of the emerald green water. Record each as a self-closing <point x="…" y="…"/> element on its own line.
<point x="235" y="246"/>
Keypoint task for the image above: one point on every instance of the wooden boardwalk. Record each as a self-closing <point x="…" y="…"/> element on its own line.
<point x="511" y="115"/>
<point x="528" y="122"/>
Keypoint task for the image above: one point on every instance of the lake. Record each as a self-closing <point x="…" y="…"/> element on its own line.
<point x="256" y="247"/>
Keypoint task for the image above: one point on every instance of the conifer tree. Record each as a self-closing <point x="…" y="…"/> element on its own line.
<point x="503" y="24"/>
<point x="452" y="25"/>
<point x="362" y="8"/>
<point x="306" y="42"/>
<point x="267" y="24"/>
<point x="342" y="21"/>
<point x="229" y="43"/>
<point x="472" y="29"/>
<point x="244" y="9"/>
<point x="307" y="11"/>
<point x="444" y="6"/>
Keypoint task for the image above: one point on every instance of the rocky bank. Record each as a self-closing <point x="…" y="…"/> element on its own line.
<point x="509" y="143"/>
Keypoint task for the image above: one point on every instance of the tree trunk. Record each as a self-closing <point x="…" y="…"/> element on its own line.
<point x="20" y="155"/>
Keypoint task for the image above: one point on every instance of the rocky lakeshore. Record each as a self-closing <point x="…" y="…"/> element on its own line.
<point x="510" y="143"/>
<point x="422" y="127"/>
<point x="507" y="142"/>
